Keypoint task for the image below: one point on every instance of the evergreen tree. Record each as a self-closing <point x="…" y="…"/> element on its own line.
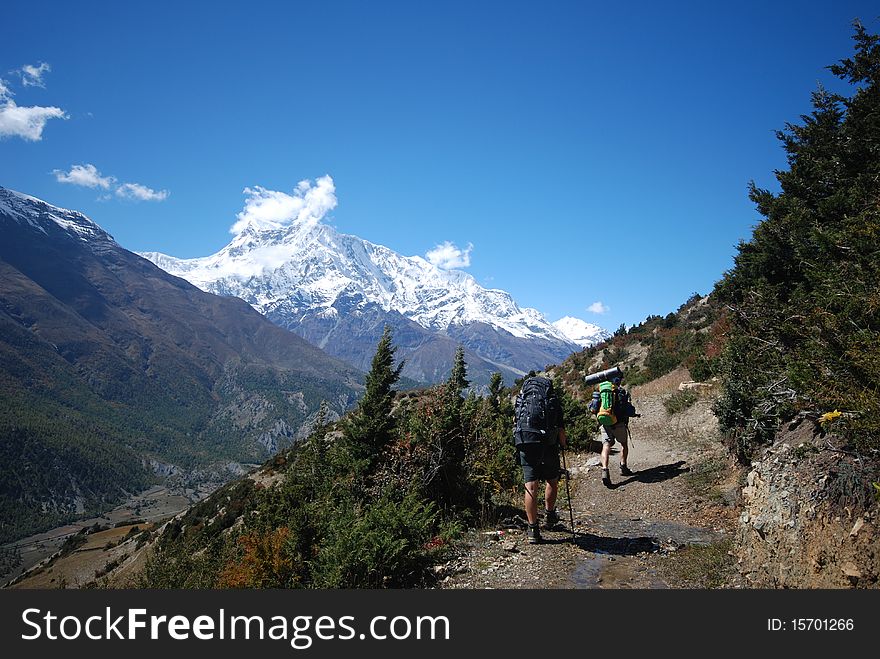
<point x="453" y="431"/>
<point x="457" y="380"/>
<point x="369" y="428"/>
<point x="496" y="390"/>
<point x="804" y="289"/>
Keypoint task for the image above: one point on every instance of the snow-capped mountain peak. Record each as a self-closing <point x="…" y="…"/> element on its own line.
<point x="302" y="274"/>
<point x="339" y="291"/>
<point x="305" y="270"/>
<point x="581" y="332"/>
<point x="37" y="213"/>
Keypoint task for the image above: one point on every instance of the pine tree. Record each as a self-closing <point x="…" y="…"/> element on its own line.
<point x="457" y="380"/>
<point x="445" y="481"/>
<point x="496" y="390"/>
<point x="804" y="289"/>
<point x="369" y="428"/>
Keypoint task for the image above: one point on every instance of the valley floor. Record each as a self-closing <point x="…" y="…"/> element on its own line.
<point x="144" y="509"/>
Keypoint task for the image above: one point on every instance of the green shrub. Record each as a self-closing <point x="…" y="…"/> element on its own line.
<point x="704" y="368"/>
<point x="384" y="545"/>
<point x="679" y="401"/>
<point x="805" y="290"/>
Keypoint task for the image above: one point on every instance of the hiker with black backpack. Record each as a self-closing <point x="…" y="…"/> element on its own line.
<point x="613" y="408"/>
<point x="538" y="434"/>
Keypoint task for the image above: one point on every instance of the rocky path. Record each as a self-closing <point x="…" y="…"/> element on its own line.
<point x="667" y="526"/>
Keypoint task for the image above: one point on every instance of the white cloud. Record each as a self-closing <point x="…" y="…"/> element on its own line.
<point x="449" y="257"/>
<point x="23" y="121"/>
<point x="598" y="307"/>
<point x="140" y="192"/>
<point x="32" y="76"/>
<point x="86" y="175"/>
<point x="268" y="209"/>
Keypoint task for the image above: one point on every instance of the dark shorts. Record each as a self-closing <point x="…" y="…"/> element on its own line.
<point x="538" y="462"/>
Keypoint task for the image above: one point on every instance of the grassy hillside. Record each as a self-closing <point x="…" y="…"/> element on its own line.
<point x="693" y="337"/>
<point x="367" y="502"/>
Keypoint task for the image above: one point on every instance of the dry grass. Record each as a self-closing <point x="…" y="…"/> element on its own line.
<point x="710" y="566"/>
<point x="80" y="566"/>
<point x="665" y="384"/>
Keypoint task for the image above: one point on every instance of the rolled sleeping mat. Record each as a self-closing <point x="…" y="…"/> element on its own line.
<point x="603" y="376"/>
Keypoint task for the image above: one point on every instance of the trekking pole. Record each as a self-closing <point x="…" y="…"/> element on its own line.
<point x="568" y="494"/>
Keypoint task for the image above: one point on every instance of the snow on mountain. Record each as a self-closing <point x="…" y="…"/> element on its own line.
<point x="339" y="291"/>
<point x="581" y="332"/>
<point x="36" y="213"/>
<point x="294" y="264"/>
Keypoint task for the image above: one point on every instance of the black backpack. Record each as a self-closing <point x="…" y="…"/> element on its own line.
<point x="536" y="413"/>
<point x="623" y="407"/>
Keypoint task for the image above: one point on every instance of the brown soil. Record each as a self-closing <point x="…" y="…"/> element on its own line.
<point x="669" y="525"/>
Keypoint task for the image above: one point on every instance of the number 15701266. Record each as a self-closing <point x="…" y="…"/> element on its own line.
<point x="810" y="624"/>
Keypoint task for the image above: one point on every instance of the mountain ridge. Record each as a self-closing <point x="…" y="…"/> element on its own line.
<point x="306" y="276"/>
<point x="108" y="365"/>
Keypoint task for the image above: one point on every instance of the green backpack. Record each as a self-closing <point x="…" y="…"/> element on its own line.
<point x="607" y="394"/>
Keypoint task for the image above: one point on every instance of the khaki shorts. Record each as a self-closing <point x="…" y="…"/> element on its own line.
<point x="618" y="431"/>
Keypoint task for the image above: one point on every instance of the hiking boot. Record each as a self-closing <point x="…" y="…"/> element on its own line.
<point x="534" y="534"/>
<point x="606" y="478"/>
<point x="625" y="471"/>
<point x="551" y="520"/>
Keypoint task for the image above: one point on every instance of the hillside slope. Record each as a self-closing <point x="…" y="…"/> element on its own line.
<point x="688" y="517"/>
<point x="691" y="337"/>
<point x="669" y="525"/>
<point x="109" y="365"/>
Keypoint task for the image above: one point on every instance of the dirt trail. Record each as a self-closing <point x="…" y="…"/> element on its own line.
<point x="666" y="526"/>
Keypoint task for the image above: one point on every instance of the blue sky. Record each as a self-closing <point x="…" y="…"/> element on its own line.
<point x="588" y="154"/>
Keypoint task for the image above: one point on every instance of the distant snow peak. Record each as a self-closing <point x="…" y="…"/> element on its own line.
<point x="266" y="210"/>
<point x="581" y="332"/>
<point x="301" y="272"/>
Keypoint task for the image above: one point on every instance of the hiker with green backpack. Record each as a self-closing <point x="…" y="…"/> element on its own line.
<point x="613" y="408"/>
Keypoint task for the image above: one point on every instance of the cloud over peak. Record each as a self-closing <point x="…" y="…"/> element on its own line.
<point x="448" y="256"/>
<point x="269" y="209"/>
<point x="598" y="307"/>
